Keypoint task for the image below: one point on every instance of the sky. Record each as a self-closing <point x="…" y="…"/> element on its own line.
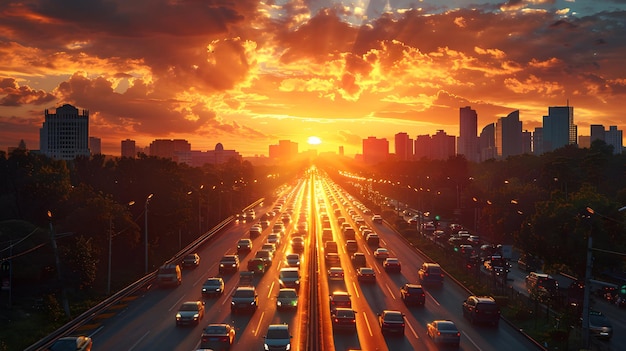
<point x="250" y="73"/>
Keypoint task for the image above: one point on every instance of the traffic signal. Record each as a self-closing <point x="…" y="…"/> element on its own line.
<point x="436" y="221"/>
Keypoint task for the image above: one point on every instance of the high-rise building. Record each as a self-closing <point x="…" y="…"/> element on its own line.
<point x="443" y="146"/>
<point x="468" y="138"/>
<point x="487" y="142"/>
<point x="128" y="148"/>
<point x="538" y="141"/>
<point x="65" y="134"/>
<point x="559" y="129"/>
<point x="404" y="147"/>
<point x="509" y="135"/>
<point x="613" y="137"/>
<point x="527" y="142"/>
<point x="285" y="150"/>
<point x="375" y="150"/>
<point x="214" y="157"/>
<point x="95" y="145"/>
<point x="178" y="150"/>
<point x="422" y="147"/>
<point x="597" y="132"/>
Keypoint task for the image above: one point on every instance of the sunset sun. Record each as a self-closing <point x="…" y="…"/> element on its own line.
<point x="313" y="140"/>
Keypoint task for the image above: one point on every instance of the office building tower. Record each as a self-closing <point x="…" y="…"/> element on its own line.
<point x="613" y="137"/>
<point x="375" y="150"/>
<point x="559" y="129"/>
<point x="128" y="148"/>
<point x="404" y="147"/>
<point x="597" y="132"/>
<point x="468" y="138"/>
<point x="285" y="150"/>
<point x="178" y="150"/>
<point x="509" y="135"/>
<point x="584" y="141"/>
<point x="95" y="145"/>
<point x="443" y="146"/>
<point x="422" y="147"/>
<point x="538" y="141"/>
<point x="65" y="134"/>
<point x="487" y="142"/>
<point x="527" y="142"/>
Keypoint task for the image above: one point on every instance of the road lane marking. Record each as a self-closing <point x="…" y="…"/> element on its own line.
<point x="230" y="293"/>
<point x="138" y="341"/>
<point x="368" y="324"/>
<point x="390" y="291"/>
<point x="472" y="341"/>
<point x="177" y="303"/>
<point x="258" y="325"/>
<point x="201" y="279"/>
<point x="412" y="330"/>
<point x="356" y="290"/>
<point x="269" y="293"/>
<point x="431" y="296"/>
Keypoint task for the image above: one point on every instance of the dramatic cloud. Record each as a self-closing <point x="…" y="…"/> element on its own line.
<point x="248" y="73"/>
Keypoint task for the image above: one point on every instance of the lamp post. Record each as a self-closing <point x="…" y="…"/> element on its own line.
<point x="65" y="301"/>
<point x="146" y="232"/>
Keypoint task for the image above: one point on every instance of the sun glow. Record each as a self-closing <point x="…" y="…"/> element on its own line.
<point x="313" y="140"/>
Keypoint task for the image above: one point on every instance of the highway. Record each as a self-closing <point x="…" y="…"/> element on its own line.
<point x="148" y="321"/>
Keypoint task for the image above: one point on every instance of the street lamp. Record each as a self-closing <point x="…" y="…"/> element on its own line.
<point x="146" y="232"/>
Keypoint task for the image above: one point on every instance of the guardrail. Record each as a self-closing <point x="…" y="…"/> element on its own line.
<point x="88" y="315"/>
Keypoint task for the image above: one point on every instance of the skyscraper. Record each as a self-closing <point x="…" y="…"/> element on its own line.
<point x="128" y="148"/>
<point x="285" y="150"/>
<point x="404" y="147"/>
<point x="468" y="138"/>
<point x="613" y="137"/>
<point x="95" y="145"/>
<point x="597" y="132"/>
<point x="487" y="142"/>
<point x="509" y="135"/>
<point x="559" y="129"/>
<point x="65" y="134"/>
<point x="375" y="150"/>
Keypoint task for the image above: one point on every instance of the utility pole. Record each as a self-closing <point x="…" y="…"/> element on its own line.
<point x="146" y="232"/>
<point x="55" y="249"/>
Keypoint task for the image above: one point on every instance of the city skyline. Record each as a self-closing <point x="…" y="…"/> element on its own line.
<point x="248" y="74"/>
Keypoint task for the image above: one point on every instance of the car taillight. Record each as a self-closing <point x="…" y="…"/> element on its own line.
<point x="438" y="333"/>
<point x="224" y="338"/>
<point x="458" y="334"/>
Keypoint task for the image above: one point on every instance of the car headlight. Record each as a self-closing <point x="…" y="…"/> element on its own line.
<point x="266" y="347"/>
<point x="288" y="347"/>
<point x="278" y="303"/>
<point x="177" y="315"/>
<point x="232" y="302"/>
<point x="221" y="265"/>
<point x="204" y="289"/>
<point x="253" y="303"/>
<point x="196" y="316"/>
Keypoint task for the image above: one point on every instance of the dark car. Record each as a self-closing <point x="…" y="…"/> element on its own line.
<point x="72" y="343"/>
<point x="217" y="337"/>
<point x="481" y="309"/>
<point x="392" y="264"/>
<point x="257" y="265"/>
<point x="244" y="298"/>
<point x="366" y="275"/>
<point x="229" y="264"/>
<point x="213" y="287"/>
<point x="413" y="294"/>
<point x="444" y="332"/>
<point x="339" y="299"/>
<point x="190" y="312"/>
<point x="358" y="259"/>
<point x="191" y="260"/>
<point x="266" y="256"/>
<point x="600" y="326"/>
<point x="244" y="246"/>
<point x="391" y="322"/>
<point x="542" y="285"/>
<point x="344" y="319"/>
<point x="372" y="240"/>
<point x="430" y="273"/>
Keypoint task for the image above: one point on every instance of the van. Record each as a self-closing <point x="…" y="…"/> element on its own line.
<point x="168" y="275"/>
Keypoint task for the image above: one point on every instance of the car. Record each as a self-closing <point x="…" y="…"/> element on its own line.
<point x="266" y="256"/>
<point x="191" y="260"/>
<point x="481" y="309"/>
<point x="292" y="260"/>
<point x="351" y="246"/>
<point x="244" y="246"/>
<point x="599" y="326"/>
<point x="349" y="233"/>
<point x="269" y="247"/>
<point x="335" y="273"/>
<point x="331" y="247"/>
<point x="257" y="265"/>
<point x="255" y="231"/>
<point x="169" y="275"/>
<point x="391" y="321"/>
<point x="265" y="223"/>
<point x="332" y="258"/>
<point x="378" y="219"/>
<point x="542" y="285"/>
<point x="430" y="273"/>
<point x="366" y="275"/>
<point x="443" y="332"/>
<point x="72" y="343"/>
<point x="372" y="240"/>
<point x="277" y="338"/>
<point x="392" y="264"/>
<point x="217" y="336"/>
<point x="297" y="244"/>
<point x="344" y="319"/>
<point x="278" y="228"/>
<point x="413" y="294"/>
<point x="229" y="264"/>
<point x="244" y="298"/>
<point x="190" y="312"/>
<point x="339" y="299"/>
<point x="358" y="259"/>
<point x="327" y="234"/>
<point x="289" y="277"/>
<point x="249" y="215"/>
<point x="274" y="239"/>
<point x="213" y="286"/>
<point x="381" y="253"/>
<point x="287" y="298"/>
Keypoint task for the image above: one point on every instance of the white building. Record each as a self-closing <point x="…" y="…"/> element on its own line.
<point x="65" y="134"/>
